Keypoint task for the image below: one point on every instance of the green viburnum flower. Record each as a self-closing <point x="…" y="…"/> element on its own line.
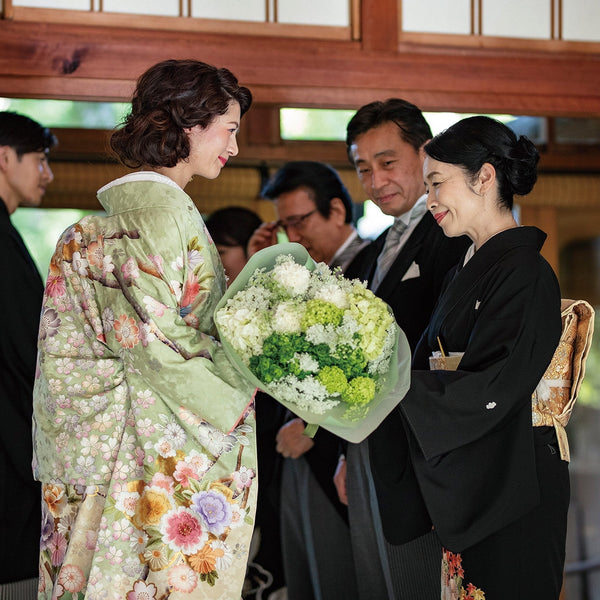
<point x="321" y="312"/>
<point x="282" y="346"/>
<point x="351" y="360"/>
<point x="373" y="318"/>
<point x="360" y="390"/>
<point x="321" y="353"/>
<point x="333" y="379"/>
<point x="266" y="369"/>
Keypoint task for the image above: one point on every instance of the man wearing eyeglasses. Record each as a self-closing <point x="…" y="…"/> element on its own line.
<point x="315" y="210"/>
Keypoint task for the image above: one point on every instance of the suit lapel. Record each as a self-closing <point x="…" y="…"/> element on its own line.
<point x="406" y="256"/>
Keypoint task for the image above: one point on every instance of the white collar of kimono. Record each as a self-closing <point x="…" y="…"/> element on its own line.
<point x="141" y="176"/>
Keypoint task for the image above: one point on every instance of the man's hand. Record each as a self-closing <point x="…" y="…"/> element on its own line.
<point x="339" y="480"/>
<point x="290" y="441"/>
<point x="263" y="237"/>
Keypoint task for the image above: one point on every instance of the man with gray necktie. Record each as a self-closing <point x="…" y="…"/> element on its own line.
<point x="406" y="267"/>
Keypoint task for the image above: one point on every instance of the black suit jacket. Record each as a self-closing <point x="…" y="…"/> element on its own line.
<point x="412" y="292"/>
<point x="20" y="496"/>
<point x="412" y="298"/>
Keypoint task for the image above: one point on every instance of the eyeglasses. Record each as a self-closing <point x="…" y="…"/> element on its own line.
<point x="296" y="221"/>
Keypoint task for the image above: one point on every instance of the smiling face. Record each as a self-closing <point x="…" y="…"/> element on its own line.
<point x="390" y="169"/>
<point x="23" y="179"/>
<point x="211" y="147"/>
<point x="459" y="205"/>
<point x="319" y="235"/>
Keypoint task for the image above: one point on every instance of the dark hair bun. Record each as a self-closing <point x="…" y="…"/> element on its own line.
<point x="521" y="166"/>
<point x="473" y="141"/>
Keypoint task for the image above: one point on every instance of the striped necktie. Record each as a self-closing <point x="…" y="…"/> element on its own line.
<point x="388" y="253"/>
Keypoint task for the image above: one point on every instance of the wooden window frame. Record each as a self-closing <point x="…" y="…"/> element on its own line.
<point x="186" y="23"/>
<point x="555" y="43"/>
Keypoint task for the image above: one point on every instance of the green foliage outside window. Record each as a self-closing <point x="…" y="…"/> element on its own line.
<point x="41" y="228"/>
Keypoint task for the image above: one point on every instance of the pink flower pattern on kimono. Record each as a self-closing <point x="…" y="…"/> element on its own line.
<point x="123" y="388"/>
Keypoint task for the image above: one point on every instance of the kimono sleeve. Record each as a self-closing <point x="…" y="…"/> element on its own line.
<point x="506" y="351"/>
<point x="171" y="279"/>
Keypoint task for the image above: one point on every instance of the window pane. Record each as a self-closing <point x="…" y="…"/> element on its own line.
<point x="581" y="20"/>
<point x="61" y="4"/>
<point x="68" y="113"/>
<point x="517" y="18"/>
<point x="437" y="16"/>
<point x="166" y="8"/>
<point x="330" y="124"/>
<point x="314" y="123"/>
<point x="240" y="10"/>
<point x="314" y="12"/>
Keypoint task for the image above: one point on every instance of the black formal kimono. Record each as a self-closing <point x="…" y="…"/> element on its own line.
<point x="460" y="452"/>
<point x="20" y="304"/>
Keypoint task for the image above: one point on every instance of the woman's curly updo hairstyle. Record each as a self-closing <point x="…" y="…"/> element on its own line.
<point x="477" y="140"/>
<point x="171" y="96"/>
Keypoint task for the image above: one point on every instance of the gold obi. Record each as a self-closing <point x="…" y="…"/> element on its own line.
<point x="554" y="398"/>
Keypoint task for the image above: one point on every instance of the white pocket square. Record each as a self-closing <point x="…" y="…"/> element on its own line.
<point x="412" y="272"/>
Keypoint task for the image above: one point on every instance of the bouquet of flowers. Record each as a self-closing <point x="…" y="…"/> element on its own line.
<point x="324" y="346"/>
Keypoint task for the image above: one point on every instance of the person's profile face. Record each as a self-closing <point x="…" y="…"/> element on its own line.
<point x="213" y="146"/>
<point x="26" y="177"/>
<point x="455" y="205"/>
<point x="390" y="169"/>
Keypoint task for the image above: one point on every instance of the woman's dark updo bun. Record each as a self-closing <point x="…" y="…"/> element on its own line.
<point x="477" y="140"/>
<point x="171" y="96"/>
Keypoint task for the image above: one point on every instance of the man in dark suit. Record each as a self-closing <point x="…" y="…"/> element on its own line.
<point x="315" y="210"/>
<point x="406" y="267"/>
<point x="24" y="174"/>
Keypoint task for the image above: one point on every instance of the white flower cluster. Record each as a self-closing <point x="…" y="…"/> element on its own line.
<point x="322" y="308"/>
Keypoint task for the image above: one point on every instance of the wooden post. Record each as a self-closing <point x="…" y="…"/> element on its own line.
<point x="7" y="10"/>
<point x="545" y="218"/>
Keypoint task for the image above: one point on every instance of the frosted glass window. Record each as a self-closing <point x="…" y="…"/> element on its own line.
<point x="165" y="8"/>
<point x="581" y="20"/>
<point x="517" y="18"/>
<point x="314" y="12"/>
<point x="237" y="10"/>
<point x="61" y="4"/>
<point x="437" y="16"/>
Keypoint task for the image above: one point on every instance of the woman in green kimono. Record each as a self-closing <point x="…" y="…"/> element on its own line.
<point x="144" y="436"/>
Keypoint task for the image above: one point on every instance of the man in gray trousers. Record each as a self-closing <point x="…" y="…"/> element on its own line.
<point x="406" y="267"/>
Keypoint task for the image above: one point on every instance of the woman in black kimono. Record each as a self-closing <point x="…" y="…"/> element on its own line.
<point x="460" y="453"/>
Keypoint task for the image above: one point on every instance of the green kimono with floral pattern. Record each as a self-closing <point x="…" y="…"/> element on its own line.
<point x="144" y="434"/>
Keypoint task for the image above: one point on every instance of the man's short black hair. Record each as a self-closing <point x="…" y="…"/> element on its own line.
<point x="412" y="126"/>
<point x="319" y="179"/>
<point x="23" y="134"/>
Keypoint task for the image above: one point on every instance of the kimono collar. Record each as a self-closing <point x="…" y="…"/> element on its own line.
<point x="3" y="208"/>
<point x="466" y="275"/>
<point x="504" y="241"/>
<point x="143" y="189"/>
<point x="140" y="176"/>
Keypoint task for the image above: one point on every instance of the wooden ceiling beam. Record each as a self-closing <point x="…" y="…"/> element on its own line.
<point x="101" y="63"/>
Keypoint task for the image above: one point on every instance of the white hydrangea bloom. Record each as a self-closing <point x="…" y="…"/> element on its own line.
<point x="287" y="317"/>
<point x="332" y="293"/>
<point x="294" y="278"/>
